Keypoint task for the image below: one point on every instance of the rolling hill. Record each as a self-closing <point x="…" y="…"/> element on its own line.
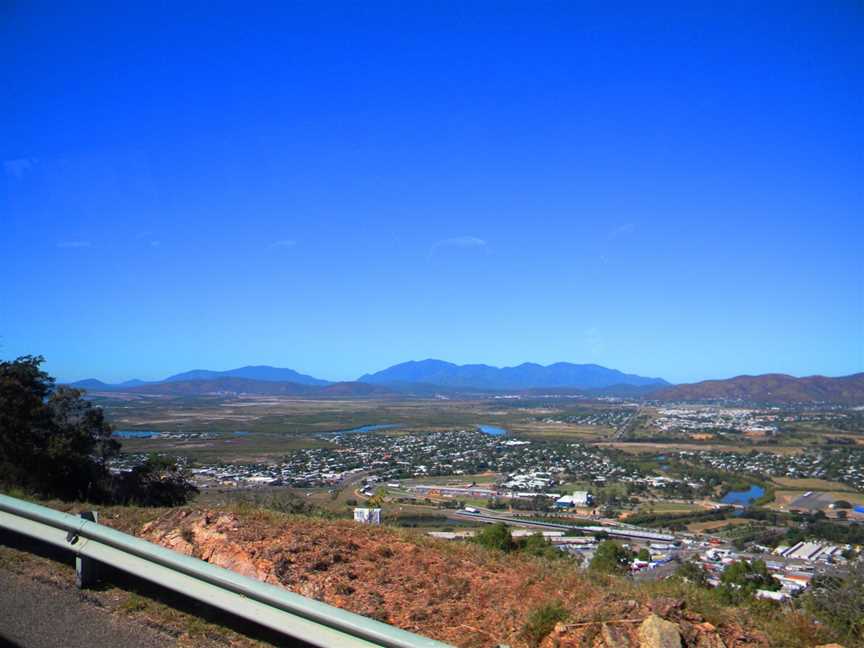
<point x="771" y="388"/>
<point x="262" y="373"/>
<point x="259" y="372"/>
<point x="525" y="376"/>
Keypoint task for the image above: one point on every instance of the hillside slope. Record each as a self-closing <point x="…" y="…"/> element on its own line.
<point x="461" y="594"/>
<point x="772" y="388"/>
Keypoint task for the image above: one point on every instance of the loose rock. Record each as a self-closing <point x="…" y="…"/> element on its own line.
<point x="658" y="633"/>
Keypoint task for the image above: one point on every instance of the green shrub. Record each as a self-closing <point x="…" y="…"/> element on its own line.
<point x="838" y="602"/>
<point x="496" y="536"/>
<point x="541" y="621"/>
<point x="611" y="558"/>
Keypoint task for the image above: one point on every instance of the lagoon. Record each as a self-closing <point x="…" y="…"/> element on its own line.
<point x="134" y="434"/>
<point x="744" y="498"/>
<point x="366" y="428"/>
<point x="491" y="430"/>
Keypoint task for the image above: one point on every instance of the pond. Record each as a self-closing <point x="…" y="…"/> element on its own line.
<point x="744" y="497"/>
<point x="491" y="430"/>
<point x="134" y="434"/>
<point x="365" y="428"/>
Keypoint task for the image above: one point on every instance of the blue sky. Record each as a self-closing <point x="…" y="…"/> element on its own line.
<point x="669" y="189"/>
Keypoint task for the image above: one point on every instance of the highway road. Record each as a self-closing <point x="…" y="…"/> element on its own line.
<point x="614" y="531"/>
<point x="39" y="615"/>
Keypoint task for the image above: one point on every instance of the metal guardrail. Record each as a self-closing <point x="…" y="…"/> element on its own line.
<point x="299" y="617"/>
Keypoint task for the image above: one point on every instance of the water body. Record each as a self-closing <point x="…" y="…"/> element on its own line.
<point x="365" y="428"/>
<point x="135" y="434"/>
<point x="744" y="497"/>
<point x="491" y="430"/>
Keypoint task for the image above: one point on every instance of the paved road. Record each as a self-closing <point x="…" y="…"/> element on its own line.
<point x="634" y="533"/>
<point x="38" y="615"/>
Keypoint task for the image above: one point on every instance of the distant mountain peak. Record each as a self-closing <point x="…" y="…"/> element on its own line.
<point x="527" y="375"/>
<point x="250" y="372"/>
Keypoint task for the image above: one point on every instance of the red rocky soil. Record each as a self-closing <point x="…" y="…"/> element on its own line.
<point x="455" y="593"/>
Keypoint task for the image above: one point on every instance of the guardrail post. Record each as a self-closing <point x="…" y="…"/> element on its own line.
<point x="86" y="569"/>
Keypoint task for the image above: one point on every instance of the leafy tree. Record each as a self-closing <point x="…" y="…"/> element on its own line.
<point x="838" y="601"/>
<point x="159" y="481"/>
<point x="740" y="580"/>
<point x="52" y="441"/>
<point x="496" y="536"/>
<point x="611" y="558"/>
<point x="537" y="545"/>
<point x="377" y="500"/>
<point x="644" y="555"/>
<point x="692" y="572"/>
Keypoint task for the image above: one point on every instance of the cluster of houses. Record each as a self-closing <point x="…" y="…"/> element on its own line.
<point x="701" y="418"/>
<point x="529" y="466"/>
<point x="612" y="418"/>
<point x="793" y="567"/>
<point x="838" y="464"/>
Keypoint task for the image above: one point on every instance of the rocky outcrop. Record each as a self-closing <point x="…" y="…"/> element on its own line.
<point x="661" y="623"/>
<point x="614" y="636"/>
<point x="656" y="632"/>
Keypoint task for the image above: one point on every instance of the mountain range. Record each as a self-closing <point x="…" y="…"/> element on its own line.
<point x="436" y="377"/>
<point x="259" y="372"/>
<point x="426" y="372"/>
<point x="525" y="376"/>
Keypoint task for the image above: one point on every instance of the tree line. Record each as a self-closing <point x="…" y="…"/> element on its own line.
<point x="55" y="443"/>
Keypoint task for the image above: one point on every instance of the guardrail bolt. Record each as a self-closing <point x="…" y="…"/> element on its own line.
<point x="86" y="569"/>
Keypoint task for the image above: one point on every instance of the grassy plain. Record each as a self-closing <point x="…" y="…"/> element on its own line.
<point x="668" y="507"/>
<point x="275" y="425"/>
<point x="811" y="484"/>
<point x="711" y="525"/>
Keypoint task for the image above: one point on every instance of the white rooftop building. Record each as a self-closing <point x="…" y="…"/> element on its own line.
<point x="367" y="515"/>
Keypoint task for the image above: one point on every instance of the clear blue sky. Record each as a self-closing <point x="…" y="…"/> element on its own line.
<point x="670" y="189"/>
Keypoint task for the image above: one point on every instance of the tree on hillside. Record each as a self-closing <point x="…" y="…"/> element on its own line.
<point x="495" y="536"/>
<point x="611" y="558"/>
<point x="378" y="499"/>
<point x="692" y="572"/>
<point x="740" y="580"/>
<point x="52" y="441"/>
<point x="838" y="601"/>
<point x="159" y="481"/>
<point x="537" y="545"/>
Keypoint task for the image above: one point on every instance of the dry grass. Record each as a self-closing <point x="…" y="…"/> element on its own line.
<point x="811" y="484"/>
